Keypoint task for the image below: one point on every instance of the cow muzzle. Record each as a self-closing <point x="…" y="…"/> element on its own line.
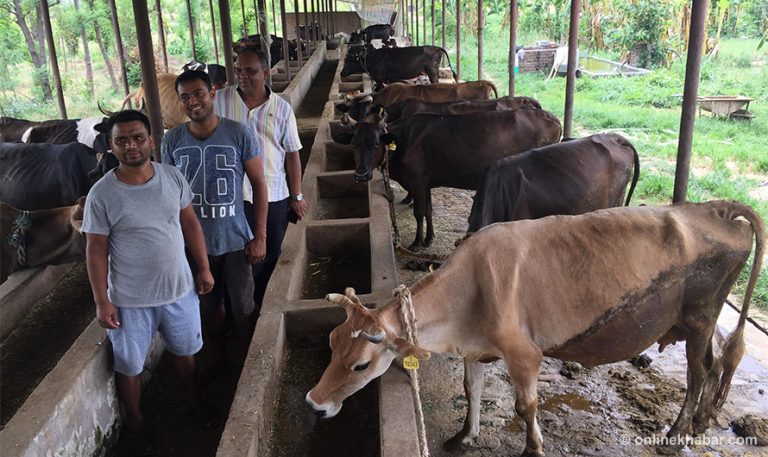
<point x="324" y="411"/>
<point x="363" y="177"/>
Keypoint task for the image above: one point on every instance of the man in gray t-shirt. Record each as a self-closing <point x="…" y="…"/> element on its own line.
<point x="213" y="154"/>
<point x="136" y="220"/>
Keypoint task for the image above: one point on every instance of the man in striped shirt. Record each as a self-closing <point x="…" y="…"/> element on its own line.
<point x="273" y="123"/>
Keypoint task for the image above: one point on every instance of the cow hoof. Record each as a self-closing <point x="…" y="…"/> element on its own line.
<point x="427" y="242"/>
<point x="459" y="442"/>
<point x="528" y="452"/>
<point x="415" y="246"/>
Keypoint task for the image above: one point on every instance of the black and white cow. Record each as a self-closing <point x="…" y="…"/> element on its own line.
<point x="90" y="131"/>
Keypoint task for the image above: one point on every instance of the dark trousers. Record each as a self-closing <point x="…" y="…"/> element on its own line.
<point x="277" y="223"/>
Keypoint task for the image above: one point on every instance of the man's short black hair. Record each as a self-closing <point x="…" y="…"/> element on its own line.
<point x="193" y="75"/>
<point x="240" y="50"/>
<point x="128" y="115"/>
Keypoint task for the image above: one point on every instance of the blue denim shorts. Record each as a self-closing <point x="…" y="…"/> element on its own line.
<point x="178" y="322"/>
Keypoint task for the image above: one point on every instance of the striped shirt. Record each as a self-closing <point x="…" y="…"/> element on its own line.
<point x="274" y="126"/>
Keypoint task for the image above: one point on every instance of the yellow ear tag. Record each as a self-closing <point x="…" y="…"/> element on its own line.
<point x="391" y="147"/>
<point x="411" y="363"/>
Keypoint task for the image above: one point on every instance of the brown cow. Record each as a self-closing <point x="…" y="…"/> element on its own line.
<point x="357" y="108"/>
<point x="411" y="106"/>
<point x="595" y="288"/>
<point x="171" y="109"/>
<point x="447" y="151"/>
<point x="43" y="237"/>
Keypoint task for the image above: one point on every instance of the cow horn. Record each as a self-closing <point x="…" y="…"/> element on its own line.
<point x="103" y="111"/>
<point x="350" y="293"/>
<point x="377" y="337"/>
<point x="339" y="300"/>
<point x="351" y="121"/>
<point x="367" y="99"/>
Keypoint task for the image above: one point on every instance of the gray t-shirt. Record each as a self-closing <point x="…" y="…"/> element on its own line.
<point x="214" y="170"/>
<point x="147" y="265"/>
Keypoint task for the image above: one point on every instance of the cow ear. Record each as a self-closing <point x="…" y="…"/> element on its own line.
<point x="404" y="349"/>
<point x="389" y="138"/>
<point x="102" y="127"/>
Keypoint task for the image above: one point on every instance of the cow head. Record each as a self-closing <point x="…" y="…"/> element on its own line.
<point x="362" y="348"/>
<point x="107" y="162"/>
<point x="369" y="143"/>
<point x="354" y="62"/>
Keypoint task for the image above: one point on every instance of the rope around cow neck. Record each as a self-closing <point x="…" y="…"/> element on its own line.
<point x="391" y="199"/>
<point x="17" y="238"/>
<point x="409" y="317"/>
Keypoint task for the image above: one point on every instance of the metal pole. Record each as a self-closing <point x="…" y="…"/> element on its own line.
<point x="480" y="27"/>
<point x="226" y="40"/>
<point x="286" y="54"/>
<point x="512" y="45"/>
<point x="688" y="115"/>
<point x="54" y="60"/>
<point x="443" y="23"/>
<point x="119" y="45"/>
<point x="296" y="22"/>
<point x="416" y="15"/>
<point x="570" y="82"/>
<point x="191" y="30"/>
<point x="424" y="22"/>
<point x="334" y="19"/>
<point x="213" y="30"/>
<point x="161" y="34"/>
<point x="458" y="40"/>
<point x="263" y="30"/>
<point x="148" y="77"/>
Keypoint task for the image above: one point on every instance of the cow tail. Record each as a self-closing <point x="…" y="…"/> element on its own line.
<point x="733" y="349"/>
<point x="455" y="78"/>
<point x="636" y="173"/>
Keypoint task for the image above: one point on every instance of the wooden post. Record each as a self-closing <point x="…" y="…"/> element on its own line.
<point x="458" y="40"/>
<point x="191" y="30"/>
<point x="226" y="40"/>
<point x="148" y="75"/>
<point x="54" y="60"/>
<point x="274" y="18"/>
<point x="298" y="41"/>
<point x="213" y="30"/>
<point x="480" y="27"/>
<point x="245" y="24"/>
<point x="119" y="45"/>
<point x="286" y="53"/>
<point x="688" y="115"/>
<point x="442" y="11"/>
<point x="432" y="18"/>
<point x="570" y="81"/>
<point x="161" y="34"/>
<point x="512" y="45"/>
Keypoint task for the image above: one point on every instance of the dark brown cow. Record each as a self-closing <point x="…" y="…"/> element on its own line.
<point x="411" y="106"/>
<point x="44" y="237"/>
<point x="447" y="151"/>
<point x="573" y="177"/>
<point x="596" y="288"/>
<point x="389" y="65"/>
<point x="358" y="107"/>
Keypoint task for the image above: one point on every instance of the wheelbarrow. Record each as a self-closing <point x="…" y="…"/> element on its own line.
<point x="732" y="107"/>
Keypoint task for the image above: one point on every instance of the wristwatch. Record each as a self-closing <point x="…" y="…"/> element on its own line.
<point x="298" y="197"/>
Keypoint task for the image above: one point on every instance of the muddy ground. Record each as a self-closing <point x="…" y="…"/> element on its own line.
<point x="604" y="411"/>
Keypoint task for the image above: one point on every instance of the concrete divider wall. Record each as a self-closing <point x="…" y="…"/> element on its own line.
<point x="286" y="310"/>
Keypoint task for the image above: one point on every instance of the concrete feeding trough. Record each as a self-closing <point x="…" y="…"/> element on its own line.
<point x="338" y="157"/>
<point x="289" y="351"/>
<point x="340" y="197"/>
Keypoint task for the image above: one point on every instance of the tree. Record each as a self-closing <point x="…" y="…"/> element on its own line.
<point x="34" y="38"/>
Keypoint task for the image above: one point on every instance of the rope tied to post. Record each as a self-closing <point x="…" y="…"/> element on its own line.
<point x="409" y="318"/>
<point x="17" y="237"/>
<point x="391" y="199"/>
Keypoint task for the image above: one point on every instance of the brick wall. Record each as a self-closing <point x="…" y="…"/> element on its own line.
<point x="537" y="59"/>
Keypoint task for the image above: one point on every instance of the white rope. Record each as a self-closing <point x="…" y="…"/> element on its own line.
<point x="409" y="317"/>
